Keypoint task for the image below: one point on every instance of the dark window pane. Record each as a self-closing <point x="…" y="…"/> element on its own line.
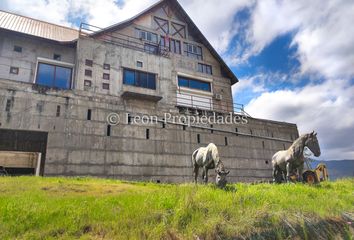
<point x="151" y="82"/>
<point x="178" y="47"/>
<point x="88" y="72"/>
<point x="200" y="67"/>
<point x="129" y="77"/>
<point x="88" y="62"/>
<point x="62" y="77"/>
<point x="199" y="85"/>
<point x="141" y="79"/>
<point x="182" y="82"/>
<point x="56" y="57"/>
<point x="45" y="75"/>
<point x="17" y="49"/>
<point x="106" y="66"/>
<point x="195" y="84"/>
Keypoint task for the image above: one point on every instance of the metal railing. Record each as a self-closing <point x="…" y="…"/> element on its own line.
<point x="87" y="30"/>
<point x="189" y="101"/>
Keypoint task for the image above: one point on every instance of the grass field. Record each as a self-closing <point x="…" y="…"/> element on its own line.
<point x="89" y="208"/>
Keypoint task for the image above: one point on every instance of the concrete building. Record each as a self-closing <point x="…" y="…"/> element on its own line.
<point x="59" y="87"/>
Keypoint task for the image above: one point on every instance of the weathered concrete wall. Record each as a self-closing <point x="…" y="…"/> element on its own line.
<point x="77" y="146"/>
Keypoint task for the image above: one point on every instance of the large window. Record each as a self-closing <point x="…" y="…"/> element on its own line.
<point x="193" y="83"/>
<point x="139" y="78"/>
<point x="54" y="76"/>
<point x="193" y="51"/>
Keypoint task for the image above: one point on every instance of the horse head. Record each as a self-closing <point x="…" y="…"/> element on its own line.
<point x="221" y="178"/>
<point x="312" y="144"/>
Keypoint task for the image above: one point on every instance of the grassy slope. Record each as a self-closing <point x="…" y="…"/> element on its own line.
<point x="87" y="208"/>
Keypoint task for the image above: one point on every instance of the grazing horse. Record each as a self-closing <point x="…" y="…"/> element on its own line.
<point x="293" y="158"/>
<point x="208" y="158"/>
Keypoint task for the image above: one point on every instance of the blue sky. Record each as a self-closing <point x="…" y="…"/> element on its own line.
<point x="294" y="59"/>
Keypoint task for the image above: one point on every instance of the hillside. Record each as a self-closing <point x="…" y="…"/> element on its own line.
<point x="87" y="208"/>
<point x="338" y="168"/>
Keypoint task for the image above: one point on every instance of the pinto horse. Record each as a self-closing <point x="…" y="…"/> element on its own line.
<point x="293" y="158"/>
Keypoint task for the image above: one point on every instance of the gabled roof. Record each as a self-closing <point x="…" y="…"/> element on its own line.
<point x="176" y="6"/>
<point x="38" y="28"/>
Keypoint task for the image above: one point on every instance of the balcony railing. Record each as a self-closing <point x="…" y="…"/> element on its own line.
<point x="87" y="30"/>
<point x="189" y="102"/>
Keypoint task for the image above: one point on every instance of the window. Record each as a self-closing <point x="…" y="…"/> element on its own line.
<point x="193" y="51"/>
<point x="14" y="70"/>
<point x="17" y="49"/>
<point x="195" y="84"/>
<point x="139" y="64"/>
<point x="175" y="46"/>
<point x="139" y="79"/>
<point x="106" y="76"/>
<point x="105" y="86"/>
<point x="108" y="132"/>
<point x="150" y="48"/>
<point x="8" y="105"/>
<point x="226" y="142"/>
<point x="54" y="76"/>
<point x="88" y="73"/>
<point x="147" y="36"/>
<point x="89" y="111"/>
<point x="58" y="111"/>
<point x="198" y="138"/>
<point x="88" y="62"/>
<point x="106" y="66"/>
<point x="204" y="68"/>
<point x="147" y="133"/>
<point x="87" y="83"/>
<point x="57" y="57"/>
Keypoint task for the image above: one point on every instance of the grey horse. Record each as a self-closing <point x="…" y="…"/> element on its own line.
<point x="208" y="158"/>
<point x="292" y="159"/>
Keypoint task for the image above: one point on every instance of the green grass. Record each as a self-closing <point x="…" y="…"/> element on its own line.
<point x="89" y="208"/>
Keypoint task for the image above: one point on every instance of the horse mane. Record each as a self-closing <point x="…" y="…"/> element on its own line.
<point x="298" y="145"/>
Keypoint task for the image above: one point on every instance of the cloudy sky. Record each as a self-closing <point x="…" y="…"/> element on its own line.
<point x="294" y="59"/>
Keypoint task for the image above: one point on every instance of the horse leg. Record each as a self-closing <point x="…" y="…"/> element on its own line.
<point x="274" y="173"/>
<point x="206" y="175"/>
<point x="196" y="171"/>
<point x="203" y="174"/>
<point x="300" y="170"/>
<point x="288" y="172"/>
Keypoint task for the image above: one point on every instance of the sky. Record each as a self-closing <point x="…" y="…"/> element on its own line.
<point x="294" y="59"/>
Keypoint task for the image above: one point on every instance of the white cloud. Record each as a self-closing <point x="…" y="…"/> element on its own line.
<point x="326" y="108"/>
<point x="322" y="31"/>
<point x="54" y="11"/>
<point x="216" y="20"/>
